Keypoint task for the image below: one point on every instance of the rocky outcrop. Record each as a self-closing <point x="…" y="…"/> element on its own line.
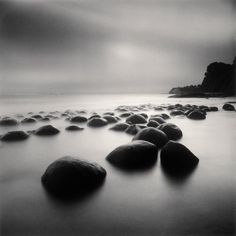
<point x="219" y="80"/>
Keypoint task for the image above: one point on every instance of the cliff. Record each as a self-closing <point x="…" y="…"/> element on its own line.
<point x="219" y="80"/>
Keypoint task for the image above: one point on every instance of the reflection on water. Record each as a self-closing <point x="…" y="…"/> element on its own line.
<point x="146" y="202"/>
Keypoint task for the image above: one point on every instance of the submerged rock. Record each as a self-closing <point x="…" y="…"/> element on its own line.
<point x="126" y="114"/>
<point x="7" y="121"/>
<point x="213" y="108"/>
<point x="134" y="155"/>
<point x="73" y="128"/>
<point x="136" y="119"/>
<point x="228" y="107"/>
<point x="78" y="119"/>
<point x="196" y="115"/>
<point x="175" y="157"/>
<point x="47" y="130"/>
<point x="120" y="127"/>
<point x="68" y="176"/>
<point x="153" y="136"/>
<point x="97" y="122"/>
<point x="172" y="131"/>
<point x="14" y="136"/>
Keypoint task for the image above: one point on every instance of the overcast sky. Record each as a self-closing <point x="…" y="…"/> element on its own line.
<point x="111" y="46"/>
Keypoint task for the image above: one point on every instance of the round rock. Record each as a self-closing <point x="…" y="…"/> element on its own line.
<point x="47" y="130"/>
<point x="97" y="122"/>
<point x="153" y="136"/>
<point x="78" y="119"/>
<point x="175" y="157"/>
<point x="196" y="115"/>
<point x="7" y="121"/>
<point x="136" y="119"/>
<point x="120" y="127"/>
<point x="73" y="128"/>
<point x="228" y="107"/>
<point x="68" y="175"/>
<point x="14" y="136"/>
<point x="134" y="155"/>
<point x="172" y="131"/>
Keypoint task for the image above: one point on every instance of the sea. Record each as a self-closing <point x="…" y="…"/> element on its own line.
<point x="142" y="202"/>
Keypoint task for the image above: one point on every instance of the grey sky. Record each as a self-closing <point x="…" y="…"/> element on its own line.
<point x="111" y="45"/>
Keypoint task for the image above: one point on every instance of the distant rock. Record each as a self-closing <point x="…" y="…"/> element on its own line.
<point x="126" y="114"/>
<point x="47" y="130"/>
<point x="120" y="127"/>
<point x="228" y="107"/>
<point x="196" y="115"/>
<point x="14" y="136"/>
<point x="136" y="119"/>
<point x="28" y="120"/>
<point x="78" y="119"/>
<point x="37" y="117"/>
<point x="152" y="135"/>
<point x="97" y="122"/>
<point x="132" y="129"/>
<point x="135" y="155"/>
<point x="213" y="108"/>
<point x="175" y="157"/>
<point x="160" y="120"/>
<point x="73" y="128"/>
<point x="7" y="121"/>
<point x="68" y="176"/>
<point x="110" y="119"/>
<point x="172" y="131"/>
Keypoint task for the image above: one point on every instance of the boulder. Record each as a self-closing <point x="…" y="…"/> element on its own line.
<point x="68" y="176"/>
<point x="7" y="121"/>
<point x="135" y="155"/>
<point x="213" y="108"/>
<point x="94" y="116"/>
<point x="165" y="116"/>
<point x="172" y="131"/>
<point x="28" y="120"/>
<point x="133" y="129"/>
<point x="120" y="127"/>
<point x="14" y="136"/>
<point x="126" y="114"/>
<point x="47" y="130"/>
<point x="78" y="119"/>
<point x="196" y="115"/>
<point x="175" y="157"/>
<point x="73" y="128"/>
<point x="228" y="107"/>
<point x="153" y="123"/>
<point x="136" y="119"/>
<point x="37" y="117"/>
<point x="97" y="122"/>
<point x="177" y="113"/>
<point x="110" y="119"/>
<point x="160" y="120"/>
<point x="153" y="136"/>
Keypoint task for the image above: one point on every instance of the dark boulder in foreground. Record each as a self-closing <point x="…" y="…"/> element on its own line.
<point x="14" y="136"/>
<point x="78" y="119"/>
<point x="120" y="127"/>
<point x="73" y="128"/>
<point x="136" y="119"/>
<point x="68" y="176"/>
<point x="47" y="130"/>
<point x="152" y="135"/>
<point x="7" y="121"/>
<point x="172" y="131"/>
<point x="228" y="107"/>
<point x="153" y="123"/>
<point x="135" y="155"/>
<point x="176" y="158"/>
<point x="196" y="115"/>
<point x="97" y="122"/>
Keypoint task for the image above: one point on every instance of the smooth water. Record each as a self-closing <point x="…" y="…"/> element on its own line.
<point x="146" y="202"/>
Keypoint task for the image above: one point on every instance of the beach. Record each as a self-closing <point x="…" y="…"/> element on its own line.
<point x="143" y="202"/>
